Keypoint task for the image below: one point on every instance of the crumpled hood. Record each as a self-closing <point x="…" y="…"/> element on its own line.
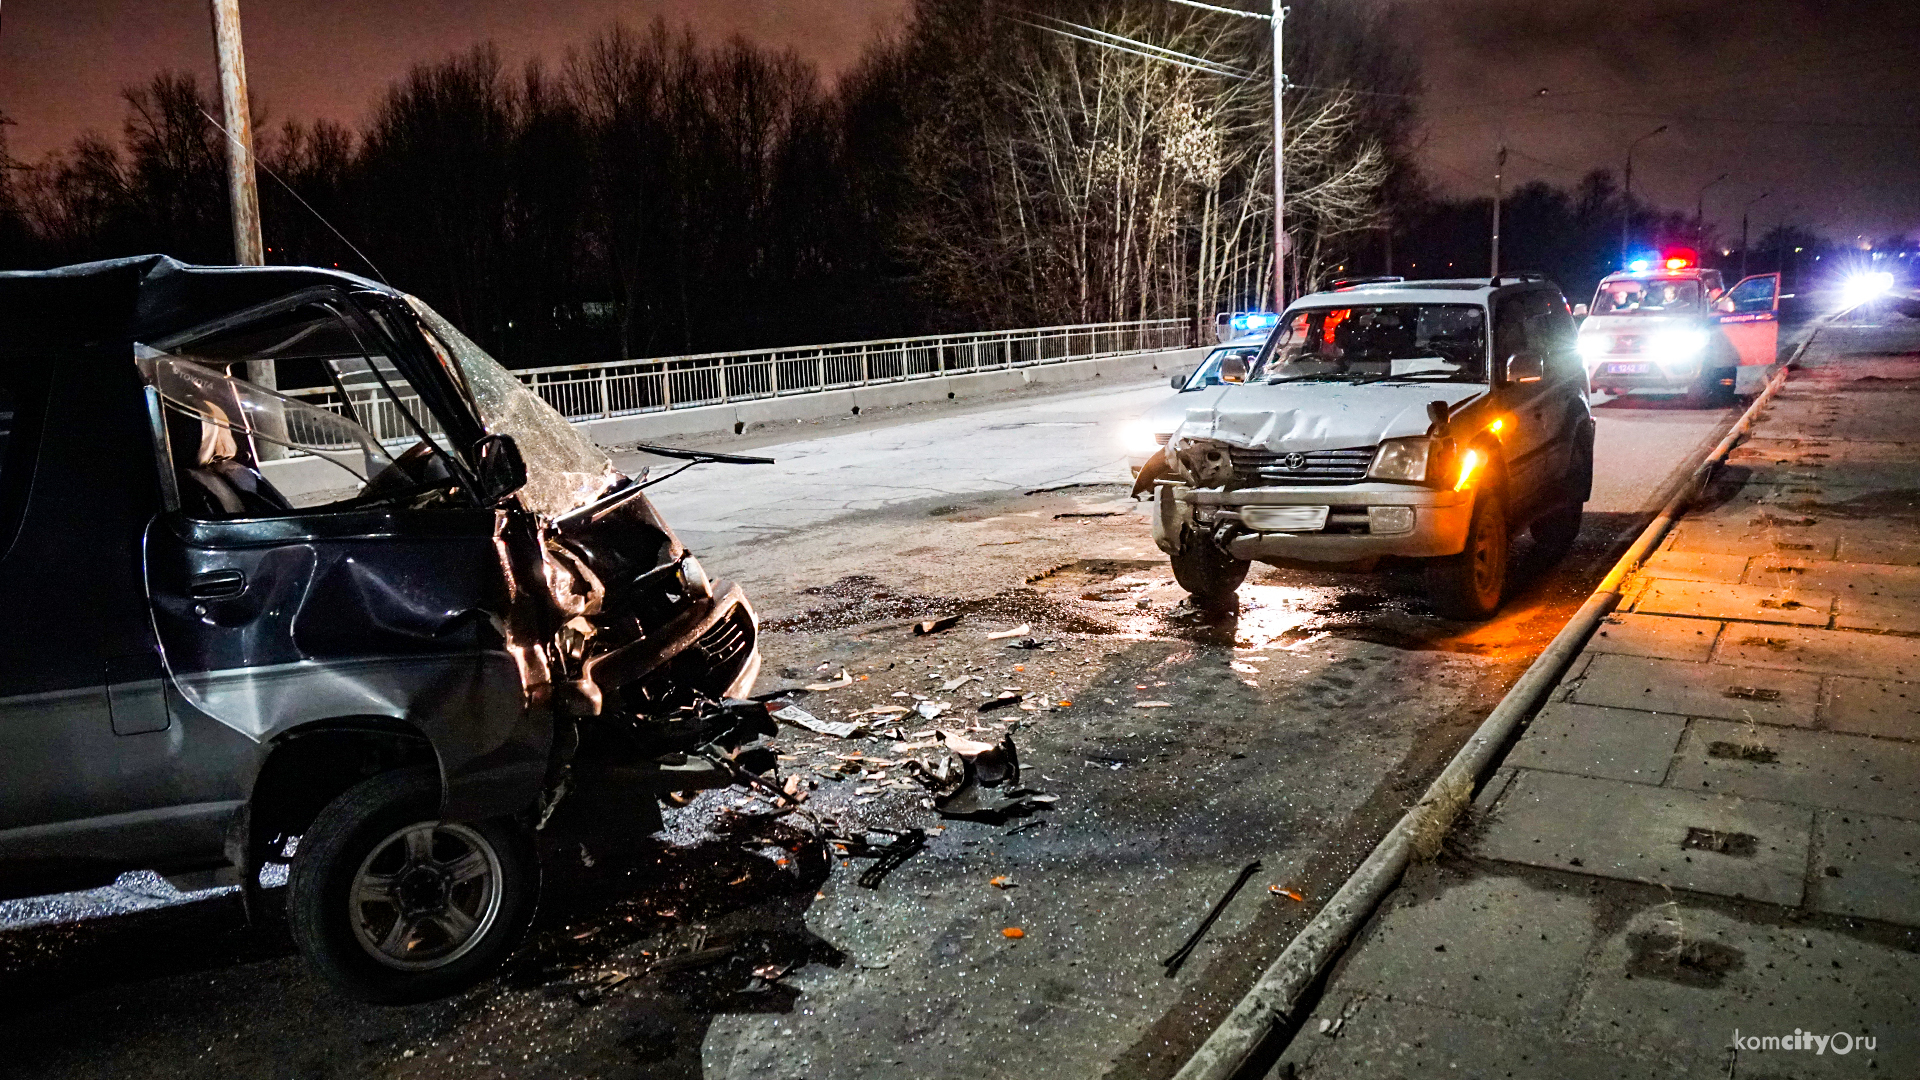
<point x="1320" y="416"/>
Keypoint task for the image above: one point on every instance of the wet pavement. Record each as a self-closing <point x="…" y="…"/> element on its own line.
<point x="738" y="942"/>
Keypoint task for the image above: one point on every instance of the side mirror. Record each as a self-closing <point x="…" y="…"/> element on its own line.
<point x="1233" y="368"/>
<point x="1525" y="367"/>
<point x="1580" y="311"/>
<point x="498" y="468"/>
<point x="1180" y="379"/>
<point x="1724" y="305"/>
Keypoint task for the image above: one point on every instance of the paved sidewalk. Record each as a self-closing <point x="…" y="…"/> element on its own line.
<point x="1714" y="825"/>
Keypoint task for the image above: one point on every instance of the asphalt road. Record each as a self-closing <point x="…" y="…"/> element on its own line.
<point x="1179" y="751"/>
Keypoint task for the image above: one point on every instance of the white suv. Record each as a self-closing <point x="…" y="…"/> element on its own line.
<point x="1425" y="419"/>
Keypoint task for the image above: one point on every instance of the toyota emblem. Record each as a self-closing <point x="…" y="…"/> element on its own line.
<point x="1296" y="462"/>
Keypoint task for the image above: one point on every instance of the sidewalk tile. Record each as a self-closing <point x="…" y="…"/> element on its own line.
<point x="1495" y="947"/>
<point x="1880" y="550"/>
<point x="1898" y="613"/>
<point x="1722" y="690"/>
<point x="1758" y="979"/>
<point x="1812" y="768"/>
<point x="1691" y="535"/>
<point x="1637" y="833"/>
<point x="1747" y="603"/>
<point x="1843" y="578"/>
<point x="1833" y="652"/>
<point x="1870" y="868"/>
<point x="1383" y="1040"/>
<point x="1655" y="635"/>
<point x="1613" y="744"/>
<point x="1696" y="566"/>
<point x="1883" y="707"/>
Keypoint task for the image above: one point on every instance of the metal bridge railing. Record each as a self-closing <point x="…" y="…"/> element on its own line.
<point x="582" y="392"/>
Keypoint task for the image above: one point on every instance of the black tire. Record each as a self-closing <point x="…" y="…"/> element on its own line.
<point x="420" y="881"/>
<point x="1554" y="533"/>
<point x="1714" y="387"/>
<point x="1469" y="586"/>
<point x="1209" y="575"/>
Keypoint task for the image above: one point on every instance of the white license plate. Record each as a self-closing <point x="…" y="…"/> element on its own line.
<point x="1284" y="518"/>
<point x="1628" y="369"/>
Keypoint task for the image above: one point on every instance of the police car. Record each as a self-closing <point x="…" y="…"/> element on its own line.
<point x="1667" y="325"/>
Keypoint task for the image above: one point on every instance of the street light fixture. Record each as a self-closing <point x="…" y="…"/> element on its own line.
<point x="1626" y="202"/>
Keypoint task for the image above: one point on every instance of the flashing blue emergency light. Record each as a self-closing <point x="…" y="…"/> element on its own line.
<point x="1254" y="322"/>
<point x="1643" y="261"/>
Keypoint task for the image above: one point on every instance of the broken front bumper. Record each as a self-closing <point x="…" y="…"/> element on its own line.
<point x="1363" y="521"/>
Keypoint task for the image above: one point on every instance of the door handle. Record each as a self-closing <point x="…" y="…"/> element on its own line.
<point x="217" y="585"/>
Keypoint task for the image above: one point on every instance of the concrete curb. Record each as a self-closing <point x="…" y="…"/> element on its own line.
<point x="1270" y="1006"/>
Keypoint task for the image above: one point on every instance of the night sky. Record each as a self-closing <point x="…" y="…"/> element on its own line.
<point x="1813" y="100"/>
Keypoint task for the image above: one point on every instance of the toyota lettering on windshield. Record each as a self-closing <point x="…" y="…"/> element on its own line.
<point x="1382" y="342"/>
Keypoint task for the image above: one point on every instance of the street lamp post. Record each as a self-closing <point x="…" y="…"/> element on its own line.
<point x="1700" y="212"/>
<point x="1626" y="201"/>
<point x="1743" y="229"/>
<point x="1279" y="19"/>
<point x="1499" y="165"/>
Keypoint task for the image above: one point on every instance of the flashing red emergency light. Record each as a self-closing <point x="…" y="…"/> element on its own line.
<point x="1680" y="258"/>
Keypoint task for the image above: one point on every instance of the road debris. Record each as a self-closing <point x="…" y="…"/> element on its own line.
<point x="1013" y="932"/>
<point x="988" y="765"/>
<point x="1153" y="704"/>
<point x="1031" y="643"/>
<point x="799" y="717"/>
<point x="1173" y="963"/>
<point x="844" y="680"/>
<point x="1288" y="893"/>
<point x="1000" y="701"/>
<point x="934" y="626"/>
<point x="1002" y="881"/>
<point x="1019" y="631"/>
<point x="954" y="684"/>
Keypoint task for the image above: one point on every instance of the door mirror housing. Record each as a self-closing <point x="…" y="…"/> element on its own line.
<point x="498" y="468"/>
<point x="1579" y="311"/>
<point x="1233" y="368"/>
<point x="1180" y="379"/>
<point x="1525" y="367"/>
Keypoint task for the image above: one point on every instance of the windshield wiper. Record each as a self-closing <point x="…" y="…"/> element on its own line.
<point x="692" y="458"/>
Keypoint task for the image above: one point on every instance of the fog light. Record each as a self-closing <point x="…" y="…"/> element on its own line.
<point x="1387" y="520"/>
<point x="693" y="579"/>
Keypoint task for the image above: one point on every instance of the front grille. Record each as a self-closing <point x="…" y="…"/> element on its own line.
<point x="727" y="640"/>
<point x="1300" y="466"/>
<point x="1162" y="437"/>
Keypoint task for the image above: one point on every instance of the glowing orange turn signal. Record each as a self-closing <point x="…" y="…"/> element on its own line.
<point x="1469" y="462"/>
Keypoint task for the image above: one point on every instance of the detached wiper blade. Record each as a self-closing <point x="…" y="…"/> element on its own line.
<point x="699" y="456"/>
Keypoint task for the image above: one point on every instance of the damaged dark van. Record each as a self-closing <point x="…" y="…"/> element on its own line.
<point x="301" y="583"/>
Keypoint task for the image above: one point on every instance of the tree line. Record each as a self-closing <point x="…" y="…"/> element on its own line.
<point x="988" y="165"/>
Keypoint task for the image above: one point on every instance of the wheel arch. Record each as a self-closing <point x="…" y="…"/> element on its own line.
<point x="311" y="765"/>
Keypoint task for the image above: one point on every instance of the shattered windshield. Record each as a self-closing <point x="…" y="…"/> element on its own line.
<point x="565" y="470"/>
<point x="1426" y="342"/>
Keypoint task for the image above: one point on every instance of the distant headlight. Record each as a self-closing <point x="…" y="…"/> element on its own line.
<point x="693" y="579"/>
<point x="1140" y="438"/>
<point x="1402" y="459"/>
<point x="1861" y="288"/>
<point x="1593" y="346"/>
<point x="1677" y="346"/>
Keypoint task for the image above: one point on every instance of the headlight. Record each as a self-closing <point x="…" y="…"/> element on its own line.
<point x="1677" y="346"/>
<point x="1861" y="288"/>
<point x="1402" y="459"/>
<point x="1140" y="438"/>
<point x="1594" y="346"/>
<point x="693" y="579"/>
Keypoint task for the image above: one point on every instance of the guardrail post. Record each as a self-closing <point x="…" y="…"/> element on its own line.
<point x="606" y="402"/>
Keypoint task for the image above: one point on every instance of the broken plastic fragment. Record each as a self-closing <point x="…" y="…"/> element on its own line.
<point x="839" y="729"/>
<point x="1013" y="932"/>
<point x="1288" y="893"/>
<point x="1153" y="704"/>
<point x="844" y="680"/>
<point x="1002" y="881"/>
<point x="1019" y="631"/>
<point x="934" y="626"/>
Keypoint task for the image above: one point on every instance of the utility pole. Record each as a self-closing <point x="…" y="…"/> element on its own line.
<point x="1626" y="201"/>
<point x="241" y="193"/>
<point x="1279" y="165"/>
<point x="1499" y="164"/>
<point x="1743" y="230"/>
<point x="1700" y="213"/>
